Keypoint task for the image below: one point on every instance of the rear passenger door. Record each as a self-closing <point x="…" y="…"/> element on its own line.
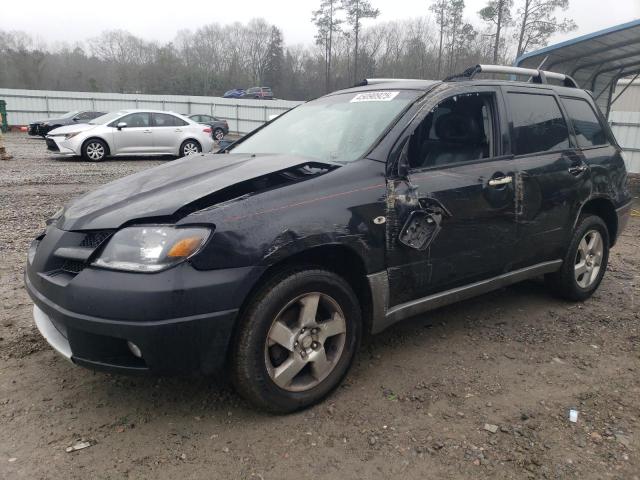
<point x="167" y="133"/>
<point x="553" y="178"/>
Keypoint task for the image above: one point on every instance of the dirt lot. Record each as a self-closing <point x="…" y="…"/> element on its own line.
<point x="415" y="404"/>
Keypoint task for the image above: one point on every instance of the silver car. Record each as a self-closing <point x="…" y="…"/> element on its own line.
<point x="132" y="132"/>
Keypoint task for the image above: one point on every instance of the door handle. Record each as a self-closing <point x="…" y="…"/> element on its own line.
<point x="178" y="130"/>
<point x="146" y="131"/>
<point x="496" y="182"/>
<point x="577" y="169"/>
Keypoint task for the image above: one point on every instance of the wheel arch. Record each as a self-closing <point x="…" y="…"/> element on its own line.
<point x="337" y="258"/>
<point x="605" y="209"/>
<point x="96" y="137"/>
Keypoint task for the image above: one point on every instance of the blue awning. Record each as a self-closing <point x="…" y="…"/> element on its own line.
<point x="596" y="61"/>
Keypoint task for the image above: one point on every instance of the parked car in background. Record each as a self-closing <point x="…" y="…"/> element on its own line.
<point x="43" y="127"/>
<point x="234" y="93"/>
<point x="263" y="93"/>
<point x="132" y="132"/>
<point x="219" y="127"/>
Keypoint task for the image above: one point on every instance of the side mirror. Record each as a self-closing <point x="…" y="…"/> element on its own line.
<point x="121" y="125"/>
<point x="75" y="119"/>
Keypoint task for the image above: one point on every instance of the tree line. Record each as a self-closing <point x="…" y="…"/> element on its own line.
<point x="349" y="45"/>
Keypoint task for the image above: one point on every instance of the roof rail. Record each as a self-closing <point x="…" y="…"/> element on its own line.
<point x="377" y="81"/>
<point x="537" y="76"/>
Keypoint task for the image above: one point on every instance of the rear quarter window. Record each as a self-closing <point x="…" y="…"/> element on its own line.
<point x="587" y="126"/>
<point x="538" y="124"/>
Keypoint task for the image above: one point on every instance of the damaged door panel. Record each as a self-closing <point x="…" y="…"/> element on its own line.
<point x="453" y="202"/>
<point x="423" y="225"/>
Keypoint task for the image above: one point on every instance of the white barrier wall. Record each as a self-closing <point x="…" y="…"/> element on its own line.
<point x="626" y="128"/>
<point x="26" y="106"/>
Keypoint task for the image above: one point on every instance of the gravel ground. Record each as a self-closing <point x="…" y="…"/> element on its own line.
<point x="415" y="404"/>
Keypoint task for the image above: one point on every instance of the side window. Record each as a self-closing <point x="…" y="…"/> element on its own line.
<point x="196" y="118"/>
<point x="206" y="118"/>
<point x="459" y="129"/>
<point x="166" y="120"/>
<point x="589" y="131"/>
<point x="140" y="119"/>
<point x="538" y="124"/>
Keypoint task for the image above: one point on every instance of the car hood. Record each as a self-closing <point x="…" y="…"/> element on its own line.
<point x="161" y="191"/>
<point x="76" y="127"/>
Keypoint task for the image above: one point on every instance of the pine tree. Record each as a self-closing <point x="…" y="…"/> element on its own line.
<point x="497" y="12"/>
<point x="275" y="57"/>
<point x="328" y="24"/>
<point x="357" y="10"/>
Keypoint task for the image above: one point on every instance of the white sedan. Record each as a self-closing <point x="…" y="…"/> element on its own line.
<point x="132" y="132"/>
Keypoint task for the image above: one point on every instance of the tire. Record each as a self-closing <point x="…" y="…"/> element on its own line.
<point x="585" y="264"/>
<point x="218" y="134"/>
<point x="190" y="147"/>
<point x="94" y="150"/>
<point x="261" y="367"/>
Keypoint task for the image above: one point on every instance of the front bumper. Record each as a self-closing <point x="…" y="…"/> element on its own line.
<point x="60" y="145"/>
<point x="181" y="319"/>
<point x="177" y="346"/>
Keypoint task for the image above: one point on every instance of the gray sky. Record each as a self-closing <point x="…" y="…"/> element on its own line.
<point x="77" y="20"/>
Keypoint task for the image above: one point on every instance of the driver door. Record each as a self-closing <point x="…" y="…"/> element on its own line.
<point x="453" y="215"/>
<point x="136" y="137"/>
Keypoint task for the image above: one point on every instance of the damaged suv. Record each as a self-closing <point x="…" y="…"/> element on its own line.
<point x="273" y="258"/>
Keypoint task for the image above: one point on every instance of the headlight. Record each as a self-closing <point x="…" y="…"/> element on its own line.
<point x="71" y="135"/>
<point x="151" y="248"/>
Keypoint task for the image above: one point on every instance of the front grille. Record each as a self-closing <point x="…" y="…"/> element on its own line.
<point x="95" y="239"/>
<point x="73" y="266"/>
<point x="73" y="258"/>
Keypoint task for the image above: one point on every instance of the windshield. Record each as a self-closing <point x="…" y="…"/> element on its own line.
<point x="338" y="128"/>
<point x="70" y="114"/>
<point x="104" y="119"/>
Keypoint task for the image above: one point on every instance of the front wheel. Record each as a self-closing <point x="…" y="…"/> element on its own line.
<point x="585" y="262"/>
<point x="190" y="147"/>
<point x="94" y="150"/>
<point x="296" y="340"/>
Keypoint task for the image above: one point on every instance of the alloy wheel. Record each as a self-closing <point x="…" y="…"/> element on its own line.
<point x="95" y="151"/>
<point x="218" y="135"/>
<point x="589" y="259"/>
<point x="190" y="149"/>
<point x="305" y="342"/>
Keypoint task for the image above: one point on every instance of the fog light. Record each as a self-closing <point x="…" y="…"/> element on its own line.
<point x="134" y="349"/>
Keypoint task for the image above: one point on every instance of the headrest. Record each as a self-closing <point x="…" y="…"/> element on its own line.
<point x="456" y="128"/>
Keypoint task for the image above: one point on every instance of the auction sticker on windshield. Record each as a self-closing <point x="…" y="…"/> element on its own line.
<point x="374" y="97"/>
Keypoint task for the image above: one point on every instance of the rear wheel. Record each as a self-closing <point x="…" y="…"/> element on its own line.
<point x="218" y="134"/>
<point x="94" y="150"/>
<point x="190" y="147"/>
<point x="586" y="261"/>
<point x="296" y="340"/>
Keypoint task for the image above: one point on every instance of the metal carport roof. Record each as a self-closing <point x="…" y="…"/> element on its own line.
<point x="596" y="61"/>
